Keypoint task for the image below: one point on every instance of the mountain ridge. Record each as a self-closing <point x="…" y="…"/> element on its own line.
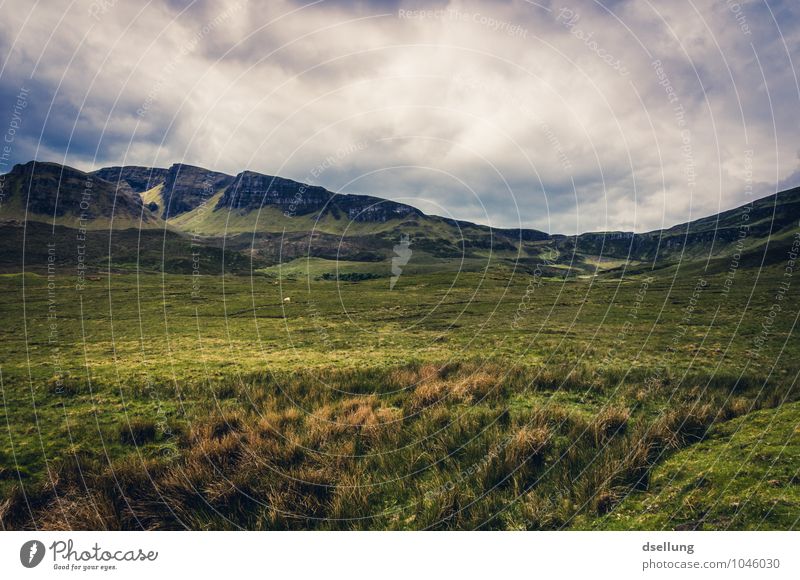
<point x="278" y="219"/>
<point x="140" y="179"/>
<point x="534" y="233"/>
<point x="63" y="195"/>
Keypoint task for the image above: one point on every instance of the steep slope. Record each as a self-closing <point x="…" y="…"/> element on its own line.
<point x="740" y="230"/>
<point x="140" y="179"/>
<point x="169" y="192"/>
<point x="258" y="202"/>
<point x="361" y="227"/>
<point x="187" y="187"/>
<point x="61" y="195"/>
<point x="250" y="191"/>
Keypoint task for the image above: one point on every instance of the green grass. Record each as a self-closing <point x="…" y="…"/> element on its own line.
<point x="457" y="400"/>
<point x="132" y="326"/>
<point x="207" y="220"/>
<point x="744" y="476"/>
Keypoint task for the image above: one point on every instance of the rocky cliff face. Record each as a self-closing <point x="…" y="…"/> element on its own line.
<point x="50" y="189"/>
<point x="187" y="186"/>
<point x="140" y="179"/>
<point x="365" y="208"/>
<point x="251" y="191"/>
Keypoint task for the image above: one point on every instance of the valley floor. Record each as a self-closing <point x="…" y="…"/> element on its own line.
<point x="491" y="400"/>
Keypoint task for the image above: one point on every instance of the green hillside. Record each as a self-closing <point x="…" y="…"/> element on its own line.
<point x="63" y="196"/>
<point x="273" y="220"/>
<point x="744" y="476"/>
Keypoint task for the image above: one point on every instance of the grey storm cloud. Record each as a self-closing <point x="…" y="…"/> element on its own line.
<point x="564" y="116"/>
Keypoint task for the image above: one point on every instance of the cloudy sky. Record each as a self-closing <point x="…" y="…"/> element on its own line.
<point x="562" y="115"/>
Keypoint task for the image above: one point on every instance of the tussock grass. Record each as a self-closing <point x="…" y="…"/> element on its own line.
<point x="465" y="445"/>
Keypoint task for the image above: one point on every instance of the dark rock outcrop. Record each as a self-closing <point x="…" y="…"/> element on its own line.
<point x="187" y="186"/>
<point x="251" y="191"/>
<point x="139" y="178"/>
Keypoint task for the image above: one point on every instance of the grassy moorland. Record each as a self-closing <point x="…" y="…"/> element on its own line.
<point x="186" y="349"/>
<point x="494" y="399"/>
<point x="744" y="475"/>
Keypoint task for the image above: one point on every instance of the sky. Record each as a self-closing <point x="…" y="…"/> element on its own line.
<point x="564" y="116"/>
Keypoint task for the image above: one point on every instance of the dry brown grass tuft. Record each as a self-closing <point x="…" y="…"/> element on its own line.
<point x="78" y="510"/>
<point x="411" y="377"/>
<point x="527" y="446"/>
<point x="351" y="499"/>
<point x="427" y="393"/>
<point x="362" y="416"/>
<point x="685" y="424"/>
<point x="217" y="427"/>
<point x="223" y="453"/>
<point x="611" y="421"/>
<point x="455" y="389"/>
<point x="473" y="388"/>
<point x="358" y="413"/>
<point x="734" y="408"/>
<point x="280" y="423"/>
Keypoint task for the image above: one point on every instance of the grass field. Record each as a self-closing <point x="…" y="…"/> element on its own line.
<point x="487" y="399"/>
<point x="744" y="476"/>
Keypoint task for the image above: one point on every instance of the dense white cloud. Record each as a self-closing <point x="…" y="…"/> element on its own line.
<point x="549" y="115"/>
